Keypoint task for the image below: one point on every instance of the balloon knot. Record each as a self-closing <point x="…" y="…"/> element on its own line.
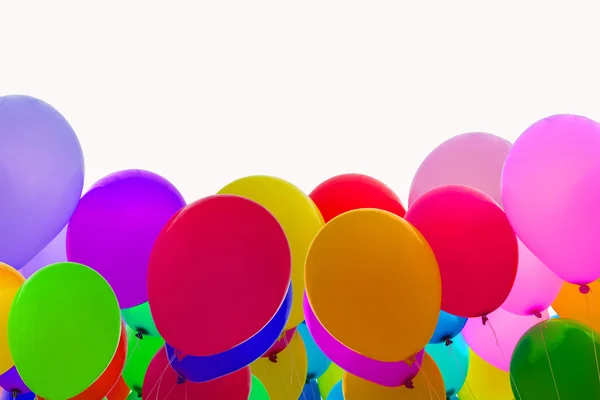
<point x="409" y="385"/>
<point x="273" y="358"/>
<point x="139" y="335"/>
<point x="180" y="380"/>
<point x="584" y="289"/>
<point x="15" y="393"/>
<point x="484" y="319"/>
<point x="448" y="342"/>
<point x="139" y="395"/>
<point x="537" y="314"/>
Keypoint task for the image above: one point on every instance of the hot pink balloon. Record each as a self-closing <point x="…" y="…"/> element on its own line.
<point x="470" y="159"/>
<point x="281" y="343"/>
<point x="391" y="374"/>
<point x="550" y="191"/>
<point x="535" y="287"/>
<point x="496" y="340"/>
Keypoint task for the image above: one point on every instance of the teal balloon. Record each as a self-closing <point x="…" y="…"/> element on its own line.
<point x="336" y="392"/>
<point x="139" y="318"/>
<point x="310" y="392"/>
<point x="317" y="361"/>
<point x="453" y="362"/>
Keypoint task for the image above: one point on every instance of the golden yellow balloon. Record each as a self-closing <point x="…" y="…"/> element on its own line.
<point x="374" y="284"/>
<point x="585" y="308"/>
<point x="484" y="381"/>
<point x="428" y="384"/>
<point x="299" y="217"/>
<point x="285" y="378"/>
<point x="329" y="379"/>
<point x="10" y="282"/>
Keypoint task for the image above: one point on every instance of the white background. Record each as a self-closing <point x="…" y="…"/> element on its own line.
<point x="204" y="92"/>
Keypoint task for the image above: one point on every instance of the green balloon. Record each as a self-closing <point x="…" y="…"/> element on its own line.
<point x="139" y="318"/>
<point x="63" y="329"/>
<point x="258" y="390"/>
<point x="139" y="354"/>
<point x="570" y="348"/>
<point x="134" y="396"/>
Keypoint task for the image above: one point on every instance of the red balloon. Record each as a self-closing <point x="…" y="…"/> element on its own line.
<point x="349" y="192"/>
<point x="475" y="246"/>
<point x="217" y="274"/>
<point x="281" y="343"/>
<point x="119" y="392"/>
<point x="162" y="382"/>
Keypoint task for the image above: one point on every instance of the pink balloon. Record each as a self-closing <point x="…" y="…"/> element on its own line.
<point x="281" y="343"/>
<point x="497" y="348"/>
<point x="535" y="286"/>
<point x="470" y="159"/>
<point x="550" y="192"/>
<point x="391" y="374"/>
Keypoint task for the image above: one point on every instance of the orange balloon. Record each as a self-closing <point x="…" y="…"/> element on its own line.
<point x="10" y="282"/>
<point x="109" y="378"/>
<point x="585" y="308"/>
<point x="120" y="391"/>
<point x="428" y="384"/>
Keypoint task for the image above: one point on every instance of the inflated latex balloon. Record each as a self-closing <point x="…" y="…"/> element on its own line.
<point x="139" y="318"/>
<point x="311" y="391"/>
<point x="428" y="384"/>
<point x="139" y="355"/>
<point x="453" y="362"/>
<point x="285" y="377"/>
<point x="10" y="281"/>
<point x="361" y="260"/>
<point x="258" y="390"/>
<point x="448" y="326"/>
<point x="119" y="392"/>
<point x="70" y="308"/>
<point x="4" y="395"/>
<point x="484" y="381"/>
<point x="298" y="216"/>
<point x="571" y="303"/>
<point x="474" y="245"/>
<point x="317" y="361"/>
<point x="329" y="379"/>
<point x="336" y="393"/>
<point x="281" y="343"/>
<point x="11" y="382"/>
<point x="349" y="192"/>
<point x="54" y="252"/>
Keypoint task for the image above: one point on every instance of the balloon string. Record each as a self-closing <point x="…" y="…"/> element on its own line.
<point x="589" y="310"/>
<point x="169" y="392"/>
<point x="429" y="384"/>
<point x="294" y="368"/>
<point x="512" y="379"/>
<point x="159" y="380"/>
<point x="549" y="362"/>
<point x="135" y="348"/>
<point x="450" y="352"/>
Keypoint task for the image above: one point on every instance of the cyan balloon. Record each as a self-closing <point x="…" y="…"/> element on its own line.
<point x="317" y="361"/>
<point x="453" y="362"/>
<point x="448" y="326"/>
<point x="311" y="391"/>
<point x="336" y="392"/>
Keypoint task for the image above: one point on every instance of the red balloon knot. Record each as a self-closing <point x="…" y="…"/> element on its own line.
<point x="273" y="358"/>
<point x="448" y="342"/>
<point x="537" y="314"/>
<point x="180" y="380"/>
<point x="584" y="289"/>
<point x="484" y="319"/>
<point x="409" y="385"/>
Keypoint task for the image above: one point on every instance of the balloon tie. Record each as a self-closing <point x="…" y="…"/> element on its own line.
<point x="273" y="358"/>
<point x="484" y="319"/>
<point x="15" y="394"/>
<point x="537" y="314"/>
<point x="512" y="379"/>
<point x="449" y="342"/>
<point x="549" y="363"/>
<point x="139" y="335"/>
<point x="584" y="289"/>
<point x="409" y="384"/>
<point x="181" y="380"/>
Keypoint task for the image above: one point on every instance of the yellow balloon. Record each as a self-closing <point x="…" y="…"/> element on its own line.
<point x="299" y="217"/>
<point x="484" y="381"/>
<point x="374" y="283"/>
<point x="10" y="282"/>
<point x="329" y="379"/>
<point x="428" y="384"/>
<point x="570" y="303"/>
<point x="285" y="378"/>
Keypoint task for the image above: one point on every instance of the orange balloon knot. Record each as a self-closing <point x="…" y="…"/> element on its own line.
<point x="273" y="358"/>
<point x="449" y="342"/>
<point x="484" y="319"/>
<point x="584" y="289"/>
<point x="139" y="335"/>
<point x="537" y="314"/>
<point x="409" y="385"/>
<point x="180" y="380"/>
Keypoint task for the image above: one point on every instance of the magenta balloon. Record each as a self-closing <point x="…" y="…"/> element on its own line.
<point x="550" y="190"/>
<point x="535" y="287"/>
<point x="115" y="225"/>
<point x="470" y="159"/>
<point x="391" y="374"/>
<point x="496" y="341"/>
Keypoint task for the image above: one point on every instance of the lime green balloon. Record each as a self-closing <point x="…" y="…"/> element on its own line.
<point x="63" y="329"/>
<point x="570" y="347"/>
<point x="329" y="379"/>
<point x="139" y="354"/>
<point x="258" y="390"/>
<point x="139" y="318"/>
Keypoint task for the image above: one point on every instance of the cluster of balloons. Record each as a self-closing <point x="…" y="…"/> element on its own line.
<point x="262" y="291"/>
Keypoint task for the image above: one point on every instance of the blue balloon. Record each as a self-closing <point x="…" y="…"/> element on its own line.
<point x="9" y="396"/>
<point x="448" y="326"/>
<point x="336" y="392"/>
<point x="317" y="361"/>
<point x="202" y="369"/>
<point x="310" y="392"/>
<point x="453" y="362"/>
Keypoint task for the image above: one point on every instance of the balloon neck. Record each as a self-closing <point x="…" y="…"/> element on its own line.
<point x="15" y="393"/>
<point x="273" y="358"/>
<point x="537" y="314"/>
<point x="139" y="335"/>
<point x="180" y="380"/>
<point x="484" y="319"/>
<point x="584" y="289"/>
<point x="409" y="385"/>
<point x="448" y="342"/>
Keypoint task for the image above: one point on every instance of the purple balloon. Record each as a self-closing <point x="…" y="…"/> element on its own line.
<point x="11" y="382"/>
<point x="115" y="225"/>
<point x="55" y="252"/>
<point x="41" y="176"/>
<point x="391" y="374"/>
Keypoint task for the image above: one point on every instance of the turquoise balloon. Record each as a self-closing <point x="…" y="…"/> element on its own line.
<point x="336" y="392"/>
<point x="453" y="362"/>
<point x="317" y="361"/>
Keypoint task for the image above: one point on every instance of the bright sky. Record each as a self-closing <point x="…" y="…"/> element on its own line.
<point x="204" y="92"/>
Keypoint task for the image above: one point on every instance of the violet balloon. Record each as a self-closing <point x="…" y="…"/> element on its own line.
<point x="42" y="176"/>
<point x="115" y="225"/>
<point x="11" y="382"/>
<point x="391" y="374"/>
<point x="54" y="252"/>
<point x="535" y="287"/>
<point x="496" y="340"/>
<point x="470" y="159"/>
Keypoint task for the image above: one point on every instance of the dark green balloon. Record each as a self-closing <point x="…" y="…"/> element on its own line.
<point x="570" y="346"/>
